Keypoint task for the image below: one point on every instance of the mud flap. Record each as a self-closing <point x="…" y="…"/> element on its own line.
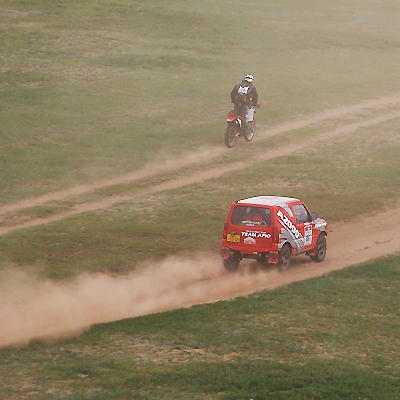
<point x="273" y="257"/>
<point x="225" y="252"/>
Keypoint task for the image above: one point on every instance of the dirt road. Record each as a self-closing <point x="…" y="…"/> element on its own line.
<point x="31" y="309"/>
<point x="207" y="156"/>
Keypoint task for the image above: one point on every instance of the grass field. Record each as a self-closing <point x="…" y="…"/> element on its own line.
<point x="94" y="89"/>
<point x="334" y="337"/>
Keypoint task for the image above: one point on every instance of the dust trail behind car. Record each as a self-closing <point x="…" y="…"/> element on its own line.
<point x="31" y="309"/>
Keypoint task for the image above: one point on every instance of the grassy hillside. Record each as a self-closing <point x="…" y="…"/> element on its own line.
<point x="90" y="89"/>
<point x="190" y="219"/>
<point x="95" y="89"/>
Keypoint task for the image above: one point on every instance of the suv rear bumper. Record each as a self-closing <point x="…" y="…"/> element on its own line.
<point x="271" y="257"/>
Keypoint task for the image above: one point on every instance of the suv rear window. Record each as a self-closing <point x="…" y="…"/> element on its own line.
<point x="251" y="216"/>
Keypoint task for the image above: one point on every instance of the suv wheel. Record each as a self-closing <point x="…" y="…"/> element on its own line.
<point x="284" y="257"/>
<point x="232" y="263"/>
<point x="320" y="251"/>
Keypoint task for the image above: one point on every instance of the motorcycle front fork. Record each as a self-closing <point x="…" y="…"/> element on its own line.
<point x="243" y="128"/>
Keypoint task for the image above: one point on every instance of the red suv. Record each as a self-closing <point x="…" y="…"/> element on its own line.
<point x="271" y="229"/>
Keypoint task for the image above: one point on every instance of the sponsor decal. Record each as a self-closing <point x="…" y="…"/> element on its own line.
<point x="294" y="236"/>
<point x="287" y="209"/>
<point x="249" y="240"/>
<point x="320" y="225"/>
<point x="307" y="234"/>
<point x="287" y="223"/>
<point x="256" y="234"/>
<point x="247" y="222"/>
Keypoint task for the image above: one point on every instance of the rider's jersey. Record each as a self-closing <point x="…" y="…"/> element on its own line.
<point x="244" y="93"/>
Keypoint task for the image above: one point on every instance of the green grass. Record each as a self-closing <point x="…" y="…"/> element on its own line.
<point x="153" y="226"/>
<point x="93" y="89"/>
<point x="331" y="337"/>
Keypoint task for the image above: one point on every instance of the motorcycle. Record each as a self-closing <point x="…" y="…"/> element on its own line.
<point x="236" y="127"/>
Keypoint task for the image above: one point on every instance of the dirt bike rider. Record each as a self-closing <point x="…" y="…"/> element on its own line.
<point x="244" y="96"/>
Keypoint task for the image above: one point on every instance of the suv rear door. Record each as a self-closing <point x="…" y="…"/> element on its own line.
<point x="251" y="225"/>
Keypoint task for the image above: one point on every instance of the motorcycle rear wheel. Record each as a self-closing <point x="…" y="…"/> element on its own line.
<point x="232" y="132"/>
<point x="252" y="130"/>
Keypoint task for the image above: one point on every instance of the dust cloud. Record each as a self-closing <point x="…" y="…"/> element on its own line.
<point x="33" y="309"/>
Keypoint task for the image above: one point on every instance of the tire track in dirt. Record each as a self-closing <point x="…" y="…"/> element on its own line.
<point x="206" y="155"/>
<point x="274" y="153"/>
<point x="338" y="112"/>
<point x="149" y="171"/>
<point x="181" y="181"/>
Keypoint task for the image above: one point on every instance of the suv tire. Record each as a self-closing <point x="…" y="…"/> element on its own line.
<point x="320" y="251"/>
<point x="284" y="257"/>
<point x="231" y="264"/>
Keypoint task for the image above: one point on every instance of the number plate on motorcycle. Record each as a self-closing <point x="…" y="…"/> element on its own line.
<point x="233" y="238"/>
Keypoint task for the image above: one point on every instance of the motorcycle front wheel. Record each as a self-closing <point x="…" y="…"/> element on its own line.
<point x="252" y="130"/>
<point x="232" y="132"/>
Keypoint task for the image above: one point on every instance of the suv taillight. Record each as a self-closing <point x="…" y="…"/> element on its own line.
<point x="225" y="231"/>
<point x="275" y="235"/>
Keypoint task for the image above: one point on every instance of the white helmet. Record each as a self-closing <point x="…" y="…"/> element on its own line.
<point x="249" y="78"/>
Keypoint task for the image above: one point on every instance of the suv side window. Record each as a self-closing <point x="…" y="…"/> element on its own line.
<point x="251" y="216"/>
<point x="301" y="214"/>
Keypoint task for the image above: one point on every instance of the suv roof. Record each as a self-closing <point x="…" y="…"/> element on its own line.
<point x="267" y="200"/>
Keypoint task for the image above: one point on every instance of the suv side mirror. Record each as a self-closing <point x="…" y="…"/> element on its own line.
<point x="314" y="216"/>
